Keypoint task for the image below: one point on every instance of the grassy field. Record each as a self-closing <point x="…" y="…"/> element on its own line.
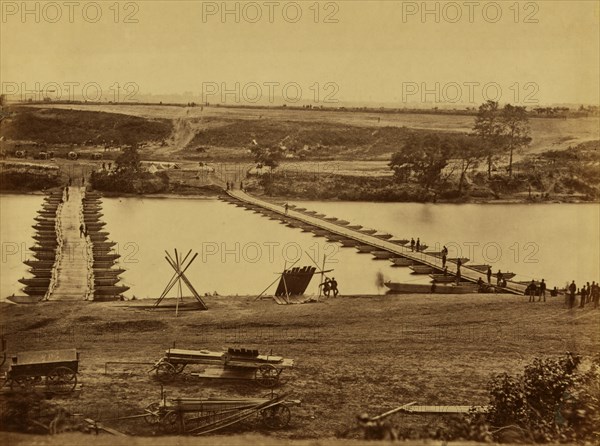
<point x="354" y="354"/>
<point x="547" y="134"/>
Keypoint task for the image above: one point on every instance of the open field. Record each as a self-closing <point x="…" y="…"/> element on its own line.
<point x="547" y="134"/>
<point x="354" y="354"/>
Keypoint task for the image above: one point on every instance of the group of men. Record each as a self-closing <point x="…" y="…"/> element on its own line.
<point x="589" y="294"/>
<point x="231" y="185"/>
<point x="415" y="246"/>
<point x="330" y="286"/>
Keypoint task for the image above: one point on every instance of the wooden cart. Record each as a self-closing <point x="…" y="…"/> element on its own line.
<point x="242" y="363"/>
<point x="56" y="370"/>
<point x="198" y="416"/>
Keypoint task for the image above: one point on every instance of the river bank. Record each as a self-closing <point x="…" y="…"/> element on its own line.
<point x="430" y="349"/>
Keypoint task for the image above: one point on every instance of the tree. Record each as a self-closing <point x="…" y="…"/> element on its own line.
<point x="469" y="152"/>
<point x="488" y="128"/>
<point x="515" y="130"/>
<point x="422" y="159"/>
<point x="128" y="162"/>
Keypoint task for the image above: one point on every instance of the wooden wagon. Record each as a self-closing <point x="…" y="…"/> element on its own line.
<point x="198" y="416"/>
<point x="56" y="370"/>
<point x="234" y="363"/>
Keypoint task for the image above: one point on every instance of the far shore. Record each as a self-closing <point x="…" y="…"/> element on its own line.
<point x="568" y="199"/>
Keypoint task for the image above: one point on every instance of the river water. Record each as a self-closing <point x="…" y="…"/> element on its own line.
<point x="240" y="252"/>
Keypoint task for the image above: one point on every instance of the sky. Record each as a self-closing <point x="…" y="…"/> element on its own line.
<point x="345" y="52"/>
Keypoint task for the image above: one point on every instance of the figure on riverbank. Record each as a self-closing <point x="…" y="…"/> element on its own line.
<point x="499" y="277"/>
<point x="532" y="290"/>
<point x="583" y="297"/>
<point x="81" y="229"/>
<point x="418" y="245"/>
<point x="542" y="291"/>
<point x="287" y="206"/>
<point x="489" y="274"/>
<point x="334" y="287"/>
<point x="326" y="287"/>
<point x="443" y="259"/>
<point x="572" y="291"/>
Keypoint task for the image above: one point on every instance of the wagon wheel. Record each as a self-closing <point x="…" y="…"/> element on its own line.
<point x="153" y="414"/>
<point x="266" y="376"/>
<point x="276" y="417"/>
<point x="169" y="423"/>
<point x="165" y="371"/>
<point x="62" y="380"/>
<point x="26" y="383"/>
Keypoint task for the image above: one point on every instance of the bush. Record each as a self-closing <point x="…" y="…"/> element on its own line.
<point x="553" y="400"/>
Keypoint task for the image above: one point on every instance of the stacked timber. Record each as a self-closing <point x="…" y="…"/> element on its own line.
<point x="44" y="252"/>
<point x="104" y="278"/>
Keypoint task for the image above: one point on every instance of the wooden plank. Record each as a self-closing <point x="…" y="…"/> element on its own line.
<point x="100" y="426"/>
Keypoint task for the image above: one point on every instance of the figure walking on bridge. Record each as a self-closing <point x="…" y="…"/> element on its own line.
<point x="287" y="206"/>
<point x="489" y="274"/>
<point x="412" y="244"/>
<point x="418" y="244"/>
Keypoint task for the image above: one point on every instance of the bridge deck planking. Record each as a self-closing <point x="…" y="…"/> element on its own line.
<point x="73" y="267"/>
<point x="468" y="274"/>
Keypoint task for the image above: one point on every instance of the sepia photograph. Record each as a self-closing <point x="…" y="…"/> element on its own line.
<point x="299" y="222"/>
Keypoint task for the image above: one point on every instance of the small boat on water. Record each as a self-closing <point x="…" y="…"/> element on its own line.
<point x="110" y="290"/>
<point x="384" y="236"/>
<point x="331" y="219"/>
<point x="108" y="272"/>
<point x="44" y="227"/>
<point x="342" y="222"/>
<point x="443" y="278"/>
<point x="421" y="269"/>
<point x="320" y="232"/>
<point x="481" y="268"/>
<point x="402" y="261"/>
<point x="106" y="257"/>
<point x="300" y="209"/>
<point x="45" y="255"/>
<point x="368" y="231"/>
<point x="35" y="291"/>
<point x="45" y="219"/>
<point x="43" y="264"/>
<point x="105" y="281"/>
<point x="25" y="299"/>
<point x="47" y="248"/>
<point x="355" y="227"/>
<point x="463" y="260"/>
<point x="418" y="288"/>
<point x="95" y="225"/>
<point x="319" y="215"/>
<point x="310" y="212"/>
<point x="103" y="265"/>
<point x="382" y="255"/>
<point x="349" y="243"/>
<point x="366" y="248"/>
<point x="104" y="244"/>
<point x="401" y="242"/>
<point x="36" y="281"/>
<point x="335" y="237"/>
<point x="39" y="272"/>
